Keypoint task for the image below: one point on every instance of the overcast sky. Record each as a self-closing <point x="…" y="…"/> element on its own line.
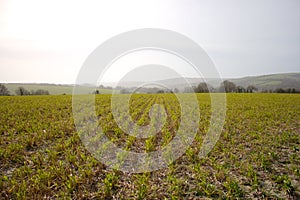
<point x="48" y="41"/>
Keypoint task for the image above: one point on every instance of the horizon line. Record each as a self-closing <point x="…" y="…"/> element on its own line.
<point x="73" y="84"/>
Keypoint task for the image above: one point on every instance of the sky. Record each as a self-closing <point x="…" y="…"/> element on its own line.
<point x="48" y="41"/>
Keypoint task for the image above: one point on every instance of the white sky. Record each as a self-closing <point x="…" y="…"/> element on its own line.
<point x="48" y="41"/>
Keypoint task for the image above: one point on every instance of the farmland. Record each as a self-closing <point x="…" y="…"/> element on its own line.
<point x="54" y="89"/>
<point x="257" y="155"/>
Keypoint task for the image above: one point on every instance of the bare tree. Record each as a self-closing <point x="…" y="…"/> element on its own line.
<point x="201" y="88"/>
<point x="3" y="90"/>
<point x="229" y="86"/>
<point x="40" y="92"/>
<point x="251" y="88"/>
<point x="240" y="89"/>
<point x="22" y="91"/>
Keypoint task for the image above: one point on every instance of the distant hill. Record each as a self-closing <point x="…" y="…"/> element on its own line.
<point x="54" y="88"/>
<point x="265" y="82"/>
<point x="270" y="82"/>
<point x="179" y="83"/>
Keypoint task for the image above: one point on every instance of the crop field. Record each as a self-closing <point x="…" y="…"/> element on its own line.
<point x="256" y="157"/>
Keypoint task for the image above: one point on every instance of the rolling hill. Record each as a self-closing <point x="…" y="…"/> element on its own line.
<point x="53" y="88"/>
<point x="264" y="82"/>
<point x="270" y="82"/>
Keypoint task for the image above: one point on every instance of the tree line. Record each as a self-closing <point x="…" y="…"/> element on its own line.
<point x="230" y="87"/>
<point x="21" y="91"/>
<point x="226" y="86"/>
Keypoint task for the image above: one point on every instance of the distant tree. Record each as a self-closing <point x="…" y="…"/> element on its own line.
<point x="96" y="92"/>
<point x="160" y="91"/>
<point x="251" y="88"/>
<point x="279" y="90"/>
<point x="201" y="88"/>
<point x="3" y="90"/>
<point x="240" y="89"/>
<point x="291" y="90"/>
<point x="288" y="90"/>
<point x="22" y="91"/>
<point x="41" y="92"/>
<point x="228" y="86"/>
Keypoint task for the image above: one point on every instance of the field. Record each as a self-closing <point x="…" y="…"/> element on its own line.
<point x="257" y="155"/>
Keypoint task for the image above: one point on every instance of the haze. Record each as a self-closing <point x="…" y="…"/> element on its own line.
<point x="48" y="41"/>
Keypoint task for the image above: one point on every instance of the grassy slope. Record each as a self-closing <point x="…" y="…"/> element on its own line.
<point x="272" y="81"/>
<point x="53" y="89"/>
